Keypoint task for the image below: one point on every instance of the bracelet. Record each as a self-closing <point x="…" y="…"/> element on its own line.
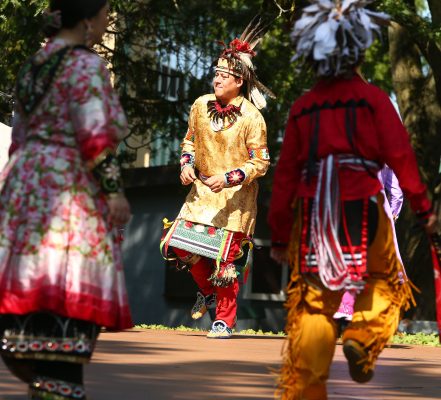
<point x="108" y="175"/>
<point x="187" y="160"/>
<point x="235" y="177"/>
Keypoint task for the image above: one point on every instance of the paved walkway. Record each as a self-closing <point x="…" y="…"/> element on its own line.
<point x="165" y="365"/>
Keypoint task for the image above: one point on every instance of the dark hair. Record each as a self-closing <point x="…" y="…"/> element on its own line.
<point x="72" y="12"/>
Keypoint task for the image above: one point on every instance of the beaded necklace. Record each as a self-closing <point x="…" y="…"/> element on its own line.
<point x="222" y="118"/>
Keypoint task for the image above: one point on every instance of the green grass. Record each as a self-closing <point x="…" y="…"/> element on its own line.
<point x="180" y="328"/>
<point x="183" y="328"/>
<point x="421" y="339"/>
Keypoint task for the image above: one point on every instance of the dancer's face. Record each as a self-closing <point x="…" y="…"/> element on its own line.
<point x="226" y="86"/>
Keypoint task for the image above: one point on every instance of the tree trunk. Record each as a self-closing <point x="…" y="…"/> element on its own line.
<point x="421" y="114"/>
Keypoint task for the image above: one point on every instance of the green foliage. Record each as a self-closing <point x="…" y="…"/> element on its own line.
<point x="148" y="33"/>
<point x="20" y="25"/>
<point x="406" y="14"/>
<point x="155" y="327"/>
<point x="192" y="31"/>
<point x="252" y="332"/>
<point x="182" y="328"/>
<point x="376" y="66"/>
<point x="417" y="339"/>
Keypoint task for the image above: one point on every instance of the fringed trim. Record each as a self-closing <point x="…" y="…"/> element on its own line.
<point x="226" y="277"/>
<point x="401" y="298"/>
<point x="287" y="383"/>
<point x="288" y="387"/>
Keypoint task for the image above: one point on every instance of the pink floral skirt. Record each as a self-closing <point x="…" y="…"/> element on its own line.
<point x="58" y="250"/>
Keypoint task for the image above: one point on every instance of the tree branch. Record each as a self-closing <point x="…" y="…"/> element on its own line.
<point x="424" y="34"/>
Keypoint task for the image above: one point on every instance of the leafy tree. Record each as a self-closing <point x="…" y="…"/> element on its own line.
<point x="408" y="64"/>
<point x="20" y="23"/>
<point x="415" y="53"/>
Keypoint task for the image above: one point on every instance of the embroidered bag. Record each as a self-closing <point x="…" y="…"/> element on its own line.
<point x="206" y="241"/>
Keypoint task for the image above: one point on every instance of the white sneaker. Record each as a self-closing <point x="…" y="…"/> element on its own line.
<point x="219" y="330"/>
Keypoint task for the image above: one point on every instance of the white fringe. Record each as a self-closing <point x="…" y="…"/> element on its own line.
<point x="325" y="221"/>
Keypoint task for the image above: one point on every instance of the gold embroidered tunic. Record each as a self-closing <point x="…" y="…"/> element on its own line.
<point x="240" y="152"/>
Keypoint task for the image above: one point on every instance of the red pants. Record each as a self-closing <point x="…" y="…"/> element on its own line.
<point x="226" y="297"/>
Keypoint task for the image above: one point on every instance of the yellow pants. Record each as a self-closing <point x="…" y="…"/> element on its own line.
<point x="312" y="331"/>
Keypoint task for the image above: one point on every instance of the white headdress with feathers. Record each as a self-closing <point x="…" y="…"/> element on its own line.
<point x="333" y="35"/>
<point x="237" y="60"/>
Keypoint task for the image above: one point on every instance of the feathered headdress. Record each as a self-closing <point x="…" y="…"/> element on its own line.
<point x="333" y="35"/>
<point x="236" y="59"/>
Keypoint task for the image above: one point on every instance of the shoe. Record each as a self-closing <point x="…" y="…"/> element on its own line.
<point x="219" y="330"/>
<point x="356" y="356"/>
<point x="203" y="303"/>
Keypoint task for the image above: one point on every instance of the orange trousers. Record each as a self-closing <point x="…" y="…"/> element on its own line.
<point x="310" y="326"/>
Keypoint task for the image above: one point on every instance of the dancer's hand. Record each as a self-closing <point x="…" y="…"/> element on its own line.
<point x="279" y="254"/>
<point x="216" y="183"/>
<point x="432" y="225"/>
<point x="188" y="175"/>
<point x="119" y="209"/>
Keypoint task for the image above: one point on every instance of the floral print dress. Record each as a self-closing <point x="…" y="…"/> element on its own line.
<point x="58" y="249"/>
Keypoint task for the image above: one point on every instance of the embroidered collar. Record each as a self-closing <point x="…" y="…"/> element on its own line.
<point x="224" y="117"/>
<point x="34" y="80"/>
<point x="38" y="72"/>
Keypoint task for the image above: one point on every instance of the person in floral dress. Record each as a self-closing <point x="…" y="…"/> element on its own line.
<point x="61" y="199"/>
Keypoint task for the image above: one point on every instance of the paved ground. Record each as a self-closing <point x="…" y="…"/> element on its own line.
<point x="164" y="365"/>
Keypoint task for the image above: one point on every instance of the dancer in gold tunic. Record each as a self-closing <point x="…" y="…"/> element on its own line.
<point x="223" y="153"/>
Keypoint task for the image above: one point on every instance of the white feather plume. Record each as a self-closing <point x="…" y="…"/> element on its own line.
<point x="333" y="36"/>
<point x="246" y="59"/>
<point x="257" y="98"/>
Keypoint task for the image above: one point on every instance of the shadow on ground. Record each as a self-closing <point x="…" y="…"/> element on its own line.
<point x="155" y="365"/>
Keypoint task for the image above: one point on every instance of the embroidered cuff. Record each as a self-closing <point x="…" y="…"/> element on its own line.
<point x="261" y="153"/>
<point x="235" y="177"/>
<point x="108" y="174"/>
<point x="187" y="159"/>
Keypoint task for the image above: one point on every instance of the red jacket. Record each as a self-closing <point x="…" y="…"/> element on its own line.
<point x="377" y="135"/>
